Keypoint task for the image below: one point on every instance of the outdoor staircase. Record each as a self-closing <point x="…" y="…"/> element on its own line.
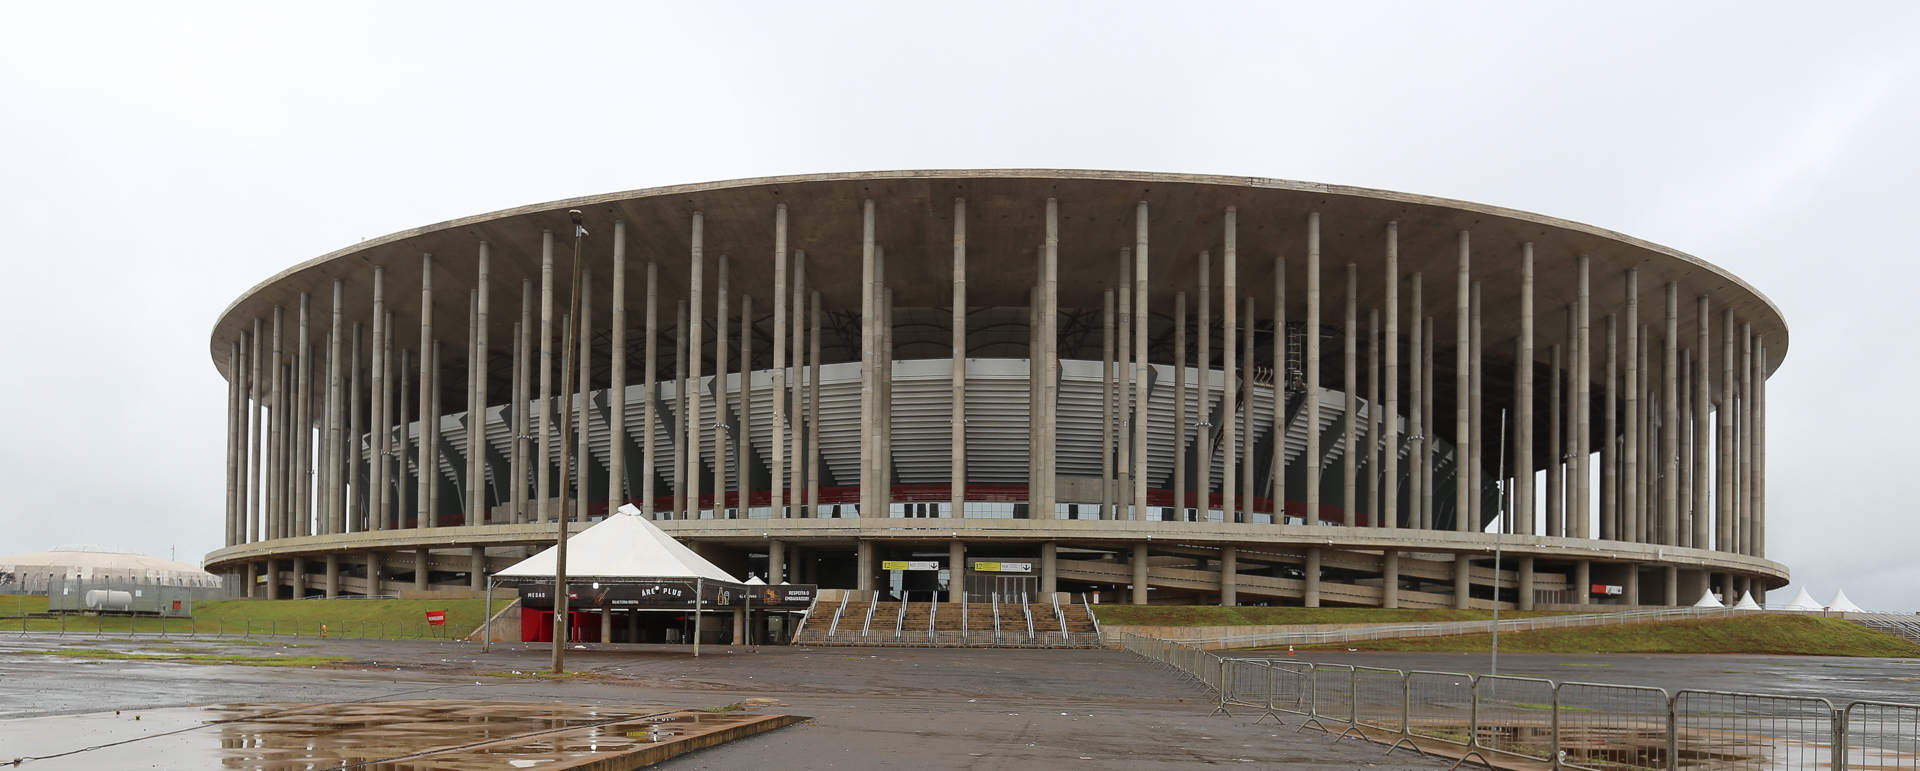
<point x="947" y="624"/>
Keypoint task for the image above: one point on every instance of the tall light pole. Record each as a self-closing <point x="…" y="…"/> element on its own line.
<point x="560" y="620"/>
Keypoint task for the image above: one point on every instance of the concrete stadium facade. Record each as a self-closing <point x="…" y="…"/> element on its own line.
<point x="1140" y="366"/>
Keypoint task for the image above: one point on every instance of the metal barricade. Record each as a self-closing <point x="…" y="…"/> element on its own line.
<point x="1244" y="684"/>
<point x="1878" y="735"/>
<point x="1440" y="706"/>
<point x="1331" y="697"/>
<point x="1611" y="727"/>
<point x="1514" y="715"/>
<point x="1751" y="732"/>
<point x="1291" y="686"/>
<point x="1380" y="699"/>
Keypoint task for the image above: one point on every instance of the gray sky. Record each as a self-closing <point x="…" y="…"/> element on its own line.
<point x="157" y="160"/>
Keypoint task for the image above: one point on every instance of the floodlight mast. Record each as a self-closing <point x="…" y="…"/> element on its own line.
<point x="561" y="621"/>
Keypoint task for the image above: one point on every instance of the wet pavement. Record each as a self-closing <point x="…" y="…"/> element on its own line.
<point x="932" y="709"/>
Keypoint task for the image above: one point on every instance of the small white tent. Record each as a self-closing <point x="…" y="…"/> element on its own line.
<point x="1747" y="603"/>
<point x="625" y="545"/>
<point x="1707" y="600"/>
<point x="1841" y="603"/>
<point x="1803" y="601"/>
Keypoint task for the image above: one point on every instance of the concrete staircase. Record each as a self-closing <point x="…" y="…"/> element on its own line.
<point x="944" y="624"/>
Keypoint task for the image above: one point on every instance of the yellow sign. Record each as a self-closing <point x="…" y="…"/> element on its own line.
<point x="893" y="565"/>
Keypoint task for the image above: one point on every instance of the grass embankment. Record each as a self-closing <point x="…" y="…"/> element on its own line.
<point x="387" y="619"/>
<point x="1756" y="634"/>
<point x="1215" y="615"/>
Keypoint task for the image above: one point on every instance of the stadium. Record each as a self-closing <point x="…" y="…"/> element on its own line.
<point x="1134" y="387"/>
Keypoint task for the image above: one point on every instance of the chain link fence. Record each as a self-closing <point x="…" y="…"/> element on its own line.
<point x="1583" y="726"/>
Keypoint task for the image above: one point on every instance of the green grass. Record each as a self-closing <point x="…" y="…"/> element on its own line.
<point x="1761" y="634"/>
<point x="1215" y="615"/>
<point x="194" y="658"/>
<point x="343" y="619"/>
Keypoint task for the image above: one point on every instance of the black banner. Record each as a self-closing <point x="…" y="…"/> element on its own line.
<point x="675" y="594"/>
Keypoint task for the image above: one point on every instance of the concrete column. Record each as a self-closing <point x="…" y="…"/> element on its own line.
<point x="1278" y="401"/>
<point x="1246" y="415"/>
<point x="252" y="587"/>
<point x="957" y="454"/>
<point x="543" y="485"/>
<point x="424" y="493"/>
<point x="482" y="368"/>
<point x="1476" y="460"/>
<point x="430" y="438"/>
<point x="743" y="439"/>
<point x="813" y="406"/>
<point x="1349" y="383"/>
<point x="474" y="511"/>
<point x="681" y="427"/>
<point x="1374" y="418"/>
<point x="1760" y="454"/>
<point x="1556" y="462"/>
<point x="689" y="455"/>
<point x="1523" y="491"/>
<point x="1744" y="443"/>
<point x="1123" y="395"/>
<point x="778" y="441"/>
<point x="863" y="565"/>
<point x="579" y="410"/>
<point x="1702" y="400"/>
<point x="1582" y="527"/>
<point x="268" y="583"/>
<point x="884" y="426"/>
<point x="1139" y="564"/>
<point x="1724" y="509"/>
<point x="1670" y="428"/>
<point x="1630" y="498"/>
<point x="1609" y="437"/>
<point x="650" y="397"/>
<point x="1050" y="385"/>
<point x="271" y="519"/>
<point x="302" y="434"/>
<point x="956" y="571"/>
<point x="1390" y="579"/>
<point x="374" y="586"/>
<point x="1428" y="449"/>
<point x="256" y="451"/>
<point x="1649" y="443"/>
<point x="1310" y="595"/>
<point x="617" y="492"/>
<point x="1049" y="568"/>
<point x="802" y="413"/>
<point x="1462" y="580"/>
<point x="1229" y="575"/>
<point x="1230" y="371"/>
<point x="1525" y="592"/>
<point x="1311" y="457"/>
<point x="1107" y="415"/>
<point x="522" y="401"/>
<point x="722" y="459"/>
<point x="421" y="571"/>
<point x="1203" y="430"/>
<point x="1463" y="439"/>
<point x="334" y="518"/>
<point x="869" y="367"/>
<point x="739" y="624"/>
<point x="477" y="568"/>
<point x="1673" y="586"/>
<point x="1389" y="501"/>
<point x="403" y="425"/>
<point x="776" y="562"/>
<point x="1416" y="414"/>
<point x="1632" y="589"/>
<point x="333" y="576"/>
<point x="355" y="515"/>
<point x="1582" y="582"/>
<point x="1140" y="406"/>
<point x="233" y="442"/>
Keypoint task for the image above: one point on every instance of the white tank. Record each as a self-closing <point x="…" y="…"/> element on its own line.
<point x="109" y="599"/>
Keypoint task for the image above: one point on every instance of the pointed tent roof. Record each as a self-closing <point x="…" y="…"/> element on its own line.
<point x="1707" y="600"/>
<point x="625" y="545"/>
<point x="1841" y="603"/>
<point x="1803" y="601"/>
<point x="1747" y="603"/>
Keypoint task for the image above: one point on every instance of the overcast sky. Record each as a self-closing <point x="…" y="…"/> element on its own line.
<point x="158" y="159"/>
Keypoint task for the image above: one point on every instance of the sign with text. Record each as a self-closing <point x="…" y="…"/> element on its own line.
<point x="1609" y="590"/>
<point x="1003" y="567"/>
<point x="437" y="617"/>
<point x="908" y="565"/>
<point x="665" y="593"/>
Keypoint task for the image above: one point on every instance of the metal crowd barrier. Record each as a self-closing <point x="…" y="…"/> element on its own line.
<point x="1577" y="726"/>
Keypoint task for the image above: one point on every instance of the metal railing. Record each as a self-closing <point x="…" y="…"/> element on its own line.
<point x="1455" y="628"/>
<point x="1583" y="726"/>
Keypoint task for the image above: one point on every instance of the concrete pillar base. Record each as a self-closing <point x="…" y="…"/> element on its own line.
<point x="421" y="571"/>
<point x="863" y="565"/>
<point x="333" y="576"/>
<point x="477" y="571"/>
<point x="956" y="571"/>
<point x="1673" y="586"/>
<point x="739" y="626"/>
<point x="1582" y="582"/>
<point x="1524" y="594"/>
<point x="776" y="562"/>
<point x="1049" y="578"/>
<point x="1312" y="595"/>
<point x="1462" y="583"/>
<point x="1139" y="574"/>
<point x="1229" y="575"/>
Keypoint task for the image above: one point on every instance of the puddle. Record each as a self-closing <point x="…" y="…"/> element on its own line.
<point x="400" y="735"/>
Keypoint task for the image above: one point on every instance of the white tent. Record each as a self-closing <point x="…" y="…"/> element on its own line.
<point x="624" y="545"/>
<point x="1841" y="603"/>
<point x="1747" y="603"/>
<point x="1803" y="601"/>
<point x="1707" y="600"/>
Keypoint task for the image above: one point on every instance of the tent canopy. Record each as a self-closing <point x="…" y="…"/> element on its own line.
<point x="1841" y="603"/>
<point x="623" y="546"/>
<point x="1803" y="601"/>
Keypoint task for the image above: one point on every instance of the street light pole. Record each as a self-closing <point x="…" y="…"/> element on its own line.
<point x="561" y="622"/>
